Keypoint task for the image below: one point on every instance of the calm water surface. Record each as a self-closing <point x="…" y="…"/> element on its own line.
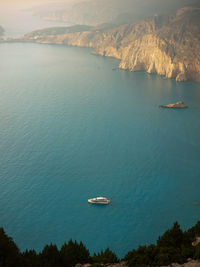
<point x="72" y="128"/>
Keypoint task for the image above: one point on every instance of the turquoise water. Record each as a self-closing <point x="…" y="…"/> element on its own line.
<point x="72" y="128"/>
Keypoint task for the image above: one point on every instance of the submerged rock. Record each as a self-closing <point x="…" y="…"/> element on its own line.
<point x="176" y="105"/>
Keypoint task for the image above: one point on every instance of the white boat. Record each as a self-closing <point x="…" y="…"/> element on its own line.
<point x="99" y="200"/>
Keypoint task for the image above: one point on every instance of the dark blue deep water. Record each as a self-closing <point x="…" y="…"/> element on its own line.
<point x="72" y="128"/>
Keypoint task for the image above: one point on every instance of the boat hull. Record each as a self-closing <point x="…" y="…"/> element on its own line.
<point x="93" y="201"/>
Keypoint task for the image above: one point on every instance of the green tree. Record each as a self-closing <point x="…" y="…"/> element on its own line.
<point x="187" y="251"/>
<point x="162" y="259"/>
<point x="106" y="256"/>
<point x="191" y="234"/>
<point x="50" y="256"/>
<point x="197" y="252"/>
<point x="171" y="238"/>
<point x="168" y="255"/>
<point x="9" y="252"/>
<point x="30" y="259"/>
<point x="73" y="253"/>
<point x="143" y="256"/>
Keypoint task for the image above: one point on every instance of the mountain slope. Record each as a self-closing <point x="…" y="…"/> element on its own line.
<point x="168" y="45"/>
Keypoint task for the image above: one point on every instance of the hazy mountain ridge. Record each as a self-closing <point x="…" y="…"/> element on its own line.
<point x="1" y="32"/>
<point x="94" y="12"/>
<point x="168" y="45"/>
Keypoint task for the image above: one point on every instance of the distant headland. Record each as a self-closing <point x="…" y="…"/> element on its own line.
<point x="168" y="45"/>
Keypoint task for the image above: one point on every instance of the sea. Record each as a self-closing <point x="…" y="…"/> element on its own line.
<point x="72" y="127"/>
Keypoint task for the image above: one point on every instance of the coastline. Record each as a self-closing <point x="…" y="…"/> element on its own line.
<point x="147" y="45"/>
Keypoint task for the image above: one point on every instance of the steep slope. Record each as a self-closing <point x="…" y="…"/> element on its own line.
<point x="168" y="45"/>
<point x="172" y="48"/>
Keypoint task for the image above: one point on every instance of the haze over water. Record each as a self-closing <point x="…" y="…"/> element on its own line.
<point x="18" y="18"/>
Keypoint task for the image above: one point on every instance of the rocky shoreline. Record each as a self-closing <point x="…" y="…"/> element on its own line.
<point x="167" y="45"/>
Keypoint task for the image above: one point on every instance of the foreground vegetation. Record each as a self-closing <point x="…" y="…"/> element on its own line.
<point x="173" y="246"/>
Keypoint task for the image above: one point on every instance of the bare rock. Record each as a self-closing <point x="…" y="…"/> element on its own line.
<point x="196" y="242"/>
<point x="190" y="263"/>
<point x="176" y="105"/>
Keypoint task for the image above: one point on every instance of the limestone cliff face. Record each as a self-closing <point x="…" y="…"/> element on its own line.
<point x="171" y="49"/>
<point x="168" y="45"/>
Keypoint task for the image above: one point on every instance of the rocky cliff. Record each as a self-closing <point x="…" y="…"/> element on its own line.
<point x="168" y="45"/>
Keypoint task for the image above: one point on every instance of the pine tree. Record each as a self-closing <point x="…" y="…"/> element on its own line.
<point x="106" y="256"/>
<point x="172" y="237"/>
<point x="73" y="253"/>
<point x="50" y="256"/>
<point x="9" y="252"/>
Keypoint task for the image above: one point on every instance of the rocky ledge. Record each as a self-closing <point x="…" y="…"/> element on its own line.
<point x="176" y="105"/>
<point x="189" y="263"/>
<point x="120" y="264"/>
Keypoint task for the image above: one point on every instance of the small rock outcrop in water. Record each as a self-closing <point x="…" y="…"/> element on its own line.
<point x="176" y="105"/>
